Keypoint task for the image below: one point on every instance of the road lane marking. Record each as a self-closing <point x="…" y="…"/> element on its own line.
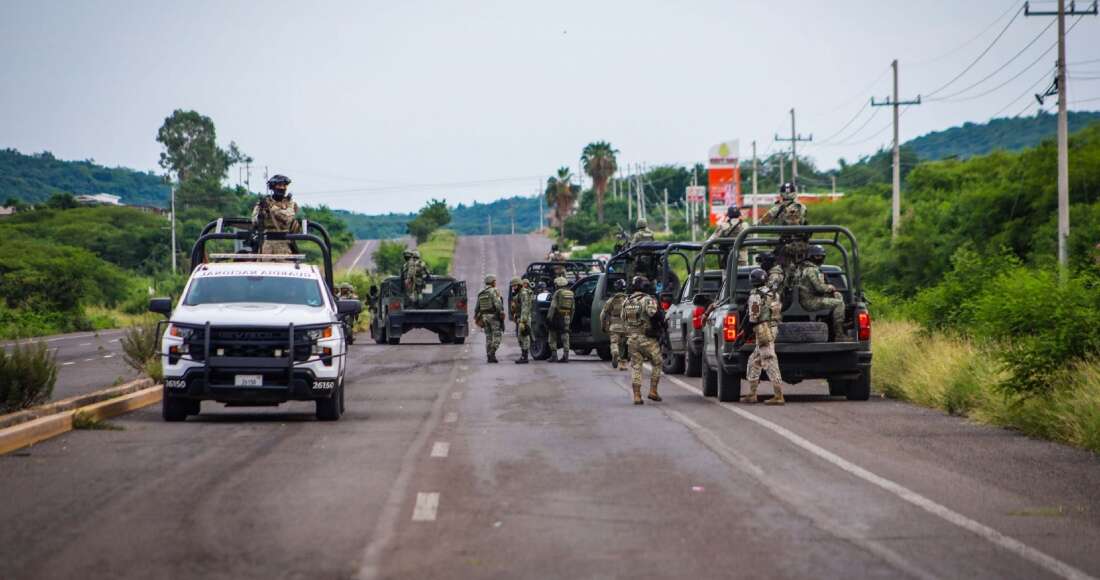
<point x="85" y="344"/>
<point x="65" y="364"/>
<point x="108" y="356"/>
<point x="427" y="504"/>
<point x="441" y="449"/>
<point x="89" y="359"/>
<point x="1012" y="545"/>
<point x="450" y="417"/>
<point x="456" y="395"/>
<point x="366" y="244"/>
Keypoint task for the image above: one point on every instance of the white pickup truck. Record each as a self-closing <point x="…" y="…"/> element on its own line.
<point x="247" y="332"/>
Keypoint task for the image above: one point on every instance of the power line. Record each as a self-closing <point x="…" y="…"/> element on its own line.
<point x="858" y="95"/>
<point x="1025" y="94"/>
<point x="980" y="56"/>
<point x="414" y="186"/>
<point x="845" y="142"/>
<point x="952" y="52"/>
<point x="1090" y="100"/>
<point x="866" y="105"/>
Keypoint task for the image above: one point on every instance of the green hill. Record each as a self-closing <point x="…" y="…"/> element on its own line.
<point x="1010" y="134"/>
<point x="465" y="219"/>
<point x="34" y="178"/>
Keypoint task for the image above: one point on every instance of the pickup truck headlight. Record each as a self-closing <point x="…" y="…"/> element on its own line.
<point x="318" y="334"/>
<point x="180" y="331"/>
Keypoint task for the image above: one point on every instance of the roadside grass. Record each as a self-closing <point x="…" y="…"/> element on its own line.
<point x="439" y="251"/>
<point x="87" y="422"/>
<point x="959" y="377"/>
<point x="103" y="318"/>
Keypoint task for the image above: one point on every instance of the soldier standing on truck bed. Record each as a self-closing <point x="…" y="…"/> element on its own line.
<point x="489" y="316"/>
<point x="776" y="278"/>
<point x="277" y="212"/>
<point x="788" y="211"/>
<point x="642" y="233"/>
<point x="611" y="319"/>
<point x="414" y="275"/>
<point x="555" y="255"/>
<point x="814" y="294"/>
<point x="521" y="307"/>
<point x="640" y="315"/>
<point x="765" y="311"/>
<point x="728" y="228"/>
<point x="561" y="317"/>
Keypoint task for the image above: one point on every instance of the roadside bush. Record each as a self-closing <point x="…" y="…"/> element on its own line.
<point x="439" y="250"/>
<point x="950" y="304"/>
<point x="389" y="257"/>
<point x="139" y="346"/>
<point x="28" y="373"/>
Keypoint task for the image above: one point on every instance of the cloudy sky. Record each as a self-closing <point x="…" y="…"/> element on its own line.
<point x="378" y="106"/>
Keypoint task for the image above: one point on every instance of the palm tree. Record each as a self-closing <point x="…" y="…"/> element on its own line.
<point x="560" y="195"/>
<point x="599" y="163"/>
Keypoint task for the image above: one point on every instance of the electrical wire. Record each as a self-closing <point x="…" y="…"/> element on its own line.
<point x="980" y="56"/>
<point x="1026" y="94"/>
<point x="1089" y="100"/>
<point x="859" y="95"/>
<point x="415" y="186"/>
<point x="826" y="140"/>
<point x="851" y="135"/>
<point x="952" y="52"/>
<point x="901" y="114"/>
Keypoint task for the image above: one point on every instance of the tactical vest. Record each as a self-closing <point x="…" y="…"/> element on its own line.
<point x="765" y="306"/>
<point x="633" y="311"/>
<point x="485" y="302"/>
<point x="565" y="302"/>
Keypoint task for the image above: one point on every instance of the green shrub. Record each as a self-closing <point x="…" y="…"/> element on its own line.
<point x="28" y="373"/>
<point x="950" y="303"/>
<point x="389" y="256"/>
<point x="139" y="346"/>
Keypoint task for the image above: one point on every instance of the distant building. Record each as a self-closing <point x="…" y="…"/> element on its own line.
<point x="150" y="209"/>
<point x="99" y="199"/>
<point x="6" y="211"/>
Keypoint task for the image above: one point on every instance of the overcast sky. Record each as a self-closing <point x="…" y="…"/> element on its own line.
<point x="378" y="106"/>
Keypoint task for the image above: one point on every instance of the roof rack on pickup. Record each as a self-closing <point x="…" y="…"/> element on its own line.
<point x="241" y="229"/>
<point x="257" y="257"/>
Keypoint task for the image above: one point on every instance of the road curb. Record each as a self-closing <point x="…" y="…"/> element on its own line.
<point x="42" y="428"/>
<point x="71" y="403"/>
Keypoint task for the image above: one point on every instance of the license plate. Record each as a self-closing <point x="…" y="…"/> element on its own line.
<point x="248" y="380"/>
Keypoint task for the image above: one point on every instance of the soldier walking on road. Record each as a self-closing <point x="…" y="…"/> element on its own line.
<point x="814" y="294"/>
<point x="561" y="317"/>
<point x="277" y="213"/>
<point x="642" y="233"/>
<point x="521" y="306"/>
<point x="611" y="319"/>
<point x="639" y="314"/>
<point x="765" y="311"/>
<point x="489" y="316"/>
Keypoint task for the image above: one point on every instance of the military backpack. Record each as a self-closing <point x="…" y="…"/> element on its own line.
<point x="485" y="302"/>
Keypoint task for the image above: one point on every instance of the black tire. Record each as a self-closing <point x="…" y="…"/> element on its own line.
<point x="173" y="409"/>
<point x="583" y="351"/>
<point x="860" y="389"/>
<point x="710" y="379"/>
<point x="380" y="336"/>
<point x="343" y="403"/>
<point x="693" y="364"/>
<point x="393" y="339"/>
<point x="330" y="408"/>
<point x="604" y="352"/>
<point x="838" y="387"/>
<point x="729" y="385"/>
<point x="540" y="348"/>
<point x="671" y="363"/>
<point x="445" y="337"/>
<point x="460" y="340"/>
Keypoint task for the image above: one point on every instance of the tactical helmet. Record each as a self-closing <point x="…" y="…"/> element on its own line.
<point x="561" y="282"/>
<point x="415" y="253"/>
<point x="816" y="253"/>
<point x="639" y="283"/>
<point x="766" y="261"/>
<point x="641" y="223"/>
<point x="733" y="212"/>
<point x="515" y="281"/>
<point x="758" y="277"/>
<point x="788" y="191"/>
<point x="407" y="253"/>
<point x="526" y="283"/>
<point x="620" y="285"/>
<point x="490" y="279"/>
<point x="554" y="248"/>
<point x="278" y="180"/>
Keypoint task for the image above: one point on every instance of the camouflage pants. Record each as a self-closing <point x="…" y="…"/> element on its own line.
<point x="493" y="332"/>
<point x="763" y="356"/>
<point x="278" y="248"/>
<point x="644" y="349"/>
<point x="559" y="339"/>
<point x="618" y="341"/>
<point x="523" y="335"/>
<point x="834" y="305"/>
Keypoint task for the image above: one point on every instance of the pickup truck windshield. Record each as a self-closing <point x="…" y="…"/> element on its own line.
<point x="263" y="289"/>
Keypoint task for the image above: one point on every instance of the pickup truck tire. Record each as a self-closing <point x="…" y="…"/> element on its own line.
<point x="838" y="387"/>
<point x="445" y="337"/>
<point x="710" y="379"/>
<point x="330" y="409"/>
<point x="604" y="352"/>
<point x="393" y="339"/>
<point x="729" y="385"/>
<point x="802" y="332"/>
<point x="460" y="340"/>
<point x="693" y="364"/>
<point x="540" y="349"/>
<point x="671" y="363"/>
<point x="379" y="336"/>
<point x="175" y="409"/>
<point x="860" y="389"/>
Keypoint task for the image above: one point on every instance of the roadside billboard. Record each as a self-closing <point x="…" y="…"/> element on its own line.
<point x="723" y="178"/>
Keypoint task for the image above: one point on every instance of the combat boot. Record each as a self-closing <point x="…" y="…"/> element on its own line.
<point x="777" y="399"/>
<point x="522" y="360"/>
<point x="493" y="357"/>
<point x="653" y="396"/>
<point x="637" y="394"/>
<point x="614" y="363"/>
<point x="553" y="356"/>
<point x="750" y="399"/>
<point x="564" y="356"/>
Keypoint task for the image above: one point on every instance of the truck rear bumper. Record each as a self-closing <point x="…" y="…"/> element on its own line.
<point x="797" y="362"/>
<point x="303" y="385"/>
<point x="430" y="319"/>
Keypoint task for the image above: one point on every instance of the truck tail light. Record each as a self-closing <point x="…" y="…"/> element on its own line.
<point x="665" y="305"/>
<point x="395" y="305"/>
<point x="460" y="304"/>
<point x="729" y="328"/>
<point x="697" y="317"/>
<point x="864" y="319"/>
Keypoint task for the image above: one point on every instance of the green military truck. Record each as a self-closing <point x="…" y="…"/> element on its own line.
<point x="442" y="310"/>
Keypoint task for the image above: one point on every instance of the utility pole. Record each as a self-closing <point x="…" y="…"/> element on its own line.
<point x="794" y="139"/>
<point x="895" y="103"/>
<point x="1063" y="129"/>
<point x="248" y="176"/>
<point x="834" y="183"/>
<point x="542" y="200"/>
<point x="512" y="215"/>
<point x="490" y="224"/>
<point x="691" y="204"/>
<point x="782" y="162"/>
<point x="666" y="211"/>
<point x="173" y="228"/>
<point x="629" y="197"/>
<point x="754" y="202"/>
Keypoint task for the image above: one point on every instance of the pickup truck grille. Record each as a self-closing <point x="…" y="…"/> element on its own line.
<point x="250" y="343"/>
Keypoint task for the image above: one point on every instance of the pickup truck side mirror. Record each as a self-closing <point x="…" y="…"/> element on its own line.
<point x="348" y="307"/>
<point x="701" y="300"/>
<point x="161" y="306"/>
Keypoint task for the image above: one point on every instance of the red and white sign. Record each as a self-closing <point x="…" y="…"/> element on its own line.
<point x="696" y="193"/>
<point x="723" y="178"/>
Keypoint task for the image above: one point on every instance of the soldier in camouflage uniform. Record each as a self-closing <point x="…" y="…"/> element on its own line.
<point x="521" y="307"/>
<point x="729" y="228"/>
<point x="638" y="313"/>
<point x="489" y="316"/>
<point x="414" y="275"/>
<point x="555" y="255"/>
<point x="814" y="294"/>
<point x="642" y="233"/>
<point x="776" y="277"/>
<point x="612" y="322"/>
<point x="561" y="317"/>
<point x="764" y="315"/>
<point x="788" y="211"/>
<point x="277" y="213"/>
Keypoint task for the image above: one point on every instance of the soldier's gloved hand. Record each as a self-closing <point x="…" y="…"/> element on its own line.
<point x="831" y="288"/>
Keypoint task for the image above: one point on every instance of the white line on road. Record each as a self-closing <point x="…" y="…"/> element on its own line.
<point x="89" y="359"/>
<point x="108" y="356"/>
<point x="65" y="364"/>
<point x="441" y="449"/>
<point x="85" y="344"/>
<point x="1012" y="545"/>
<point x="427" y="504"/>
<point x="456" y="395"/>
<point x="366" y="244"/>
<point x="450" y="417"/>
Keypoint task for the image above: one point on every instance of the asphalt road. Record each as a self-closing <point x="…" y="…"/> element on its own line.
<point x="446" y="467"/>
<point x="361" y="254"/>
<point x="87" y="361"/>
